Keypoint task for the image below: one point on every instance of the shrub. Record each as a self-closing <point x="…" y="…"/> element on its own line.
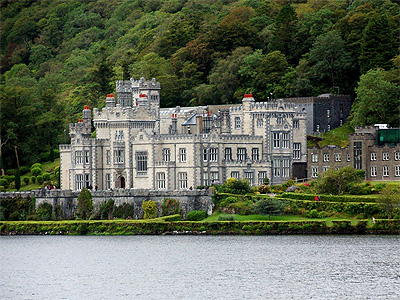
<point x="45" y="211"/>
<point x="37" y="165"/>
<point x="4" y="182"/>
<point x="226" y="218"/>
<point x="234" y="186"/>
<point x="196" y="215"/>
<point x="24" y="170"/>
<point x="36" y="171"/>
<point x="40" y="179"/>
<point x="46" y="176"/>
<point x="10" y="172"/>
<point x="26" y="180"/>
<point x="85" y="204"/>
<point x="33" y="179"/>
<point x="172" y="218"/>
<point x="149" y="209"/>
<point x="123" y="211"/>
<point x="264" y="189"/>
<point x="242" y="208"/>
<point x="105" y="211"/>
<point x="170" y="207"/>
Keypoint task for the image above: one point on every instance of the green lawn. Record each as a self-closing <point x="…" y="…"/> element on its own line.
<point x="338" y="136"/>
<point x="47" y="166"/>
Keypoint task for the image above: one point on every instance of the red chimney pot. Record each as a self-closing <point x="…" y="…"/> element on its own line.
<point x="110" y="95"/>
<point x="87" y="107"/>
<point x="248" y="95"/>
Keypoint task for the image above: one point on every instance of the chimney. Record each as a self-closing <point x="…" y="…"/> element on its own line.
<point x="110" y="101"/>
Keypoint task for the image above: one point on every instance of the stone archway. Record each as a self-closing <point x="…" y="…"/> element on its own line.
<point x="122" y="182"/>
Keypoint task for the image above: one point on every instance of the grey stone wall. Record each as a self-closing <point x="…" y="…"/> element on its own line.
<point x="68" y="200"/>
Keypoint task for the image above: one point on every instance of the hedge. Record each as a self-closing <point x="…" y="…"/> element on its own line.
<point x="184" y="227"/>
<point x="329" y="198"/>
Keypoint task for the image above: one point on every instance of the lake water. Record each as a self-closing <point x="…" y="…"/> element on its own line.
<point x="200" y="267"/>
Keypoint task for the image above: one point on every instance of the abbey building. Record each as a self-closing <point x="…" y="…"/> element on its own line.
<point x="138" y="145"/>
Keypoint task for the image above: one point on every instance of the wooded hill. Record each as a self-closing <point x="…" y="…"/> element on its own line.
<point x="57" y="56"/>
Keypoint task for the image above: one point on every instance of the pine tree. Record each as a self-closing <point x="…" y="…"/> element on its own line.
<point x="85" y="204"/>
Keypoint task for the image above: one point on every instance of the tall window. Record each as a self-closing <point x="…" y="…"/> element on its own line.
<point x="277" y="168"/>
<point x="314" y="172"/>
<point x="285" y="140"/>
<point x="78" y="157"/>
<point x="166" y="154"/>
<point x="314" y="157"/>
<point x="296" y="151"/>
<point x="373" y="155"/>
<point x="237" y="122"/>
<point x="214" y="154"/>
<point x="325" y="168"/>
<point x="108" y="157"/>
<point x="385" y="171"/>
<point x="329" y="127"/>
<point x="348" y="157"/>
<point x="141" y="162"/>
<point x="182" y="180"/>
<point x="87" y="180"/>
<point x="255" y="154"/>
<point x="214" y="177"/>
<point x="396" y="155"/>
<point x="373" y="171"/>
<point x="261" y="176"/>
<point x="357" y="155"/>
<point x="260" y="123"/>
<point x="182" y="154"/>
<point x="338" y="157"/>
<point x="160" y="180"/>
<point x="326" y="157"/>
<point x="296" y="124"/>
<point x="119" y="135"/>
<point x="328" y="113"/>
<point x="205" y="154"/>
<point x="385" y="156"/>
<point x="276" y="140"/>
<point x="228" y="154"/>
<point x="397" y="171"/>
<point x="79" y="181"/>
<point x="241" y="154"/>
<point x="119" y="156"/>
<point x="206" y="179"/>
<point x="249" y="175"/>
<point x="235" y="174"/>
<point x="108" y="181"/>
<point x="286" y="168"/>
<point x="86" y="156"/>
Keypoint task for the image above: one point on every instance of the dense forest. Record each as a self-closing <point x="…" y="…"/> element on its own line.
<point x="57" y="56"/>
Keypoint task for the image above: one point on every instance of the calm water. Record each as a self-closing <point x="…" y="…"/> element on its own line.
<point x="200" y="267"/>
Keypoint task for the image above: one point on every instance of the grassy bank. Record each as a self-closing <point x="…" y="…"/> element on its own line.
<point x="160" y="227"/>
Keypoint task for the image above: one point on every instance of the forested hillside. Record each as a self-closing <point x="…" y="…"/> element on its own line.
<point x="57" y="56"/>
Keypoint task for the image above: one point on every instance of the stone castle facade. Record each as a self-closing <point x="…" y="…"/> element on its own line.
<point x="138" y="145"/>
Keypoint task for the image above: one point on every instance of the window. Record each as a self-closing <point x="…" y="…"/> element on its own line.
<point x="341" y="122"/>
<point x="314" y="157"/>
<point x="341" y="108"/>
<point x="396" y="155"/>
<point x="348" y="157"/>
<point x="326" y="157"/>
<point x="255" y="154"/>
<point x="373" y="155"/>
<point x="235" y="174"/>
<point x="385" y="156"/>
<point x="141" y="162"/>
<point x="87" y="180"/>
<point x="261" y="176"/>
<point x="86" y="156"/>
<point x="275" y="140"/>
<point x="328" y="113"/>
<point x="182" y="180"/>
<point x="338" y="156"/>
<point x="325" y="168"/>
<point x="119" y="156"/>
<point x="317" y="127"/>
<point x="205" y="154"/>
<point x="385" y="171"/>
<point x="241" y="154"/>
<point x="214" y="177"/>
<point x="206" y="181"/>
<point x="228" y="154"/>
<point x="78" y="157"/>
<point x="108" y="157"/>
<point x="357" y="155"/>
<point x="260" y="123"/>
<point x="237" y="122"/>
<point x="296" y="124"/>
<point x="397" y="171"/>
<point x="249" y="175"/>
<point x="314" y="172"/>
<point x="182" y="154"/>
<point x="277" y="168"/>
<point x="160" y="180"/>
<point x="108" y="181"/>
<point x="286" y="168"/>
<point x="329" y="127"/>
<point x="119" y="135"/>
<point x="373" y="171"/>
<point x="79" y="181"/>
<point x="166" y="154"/>
<point x="285" y="140"/>
<point x="296" y="150"/>
<point x="214" y="154"/>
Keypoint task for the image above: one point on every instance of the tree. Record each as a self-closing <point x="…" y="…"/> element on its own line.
<point x="376" y="101"/>
<point x="17" y="180"/>
<point x="170" y="207"/>
<point x="269" y="207"/>
<point x="339" y="181"/>
<point x="85" y="204"/>
<point x="378" y="44"/>
<point x="149" y="209"/>
<point x="389" y="199"/>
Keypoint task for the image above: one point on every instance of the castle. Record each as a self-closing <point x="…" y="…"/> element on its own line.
<point x="137" y="144"/>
